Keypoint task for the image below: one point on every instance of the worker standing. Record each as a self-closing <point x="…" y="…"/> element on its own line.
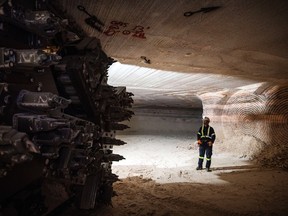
<point x="206" y="137"/>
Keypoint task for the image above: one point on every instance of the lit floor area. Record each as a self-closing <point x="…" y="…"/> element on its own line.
<point x="158" y="177"/>
<point x="168" y="159"/>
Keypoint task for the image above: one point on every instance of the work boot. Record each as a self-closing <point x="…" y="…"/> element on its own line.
<point x="199" y="168"/>
<point x="208" y="170"/>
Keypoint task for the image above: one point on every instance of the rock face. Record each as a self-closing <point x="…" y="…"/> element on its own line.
<point x="252" y="122"/>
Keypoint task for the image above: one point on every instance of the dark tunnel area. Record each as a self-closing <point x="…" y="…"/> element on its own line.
<point x="166" y="115"/>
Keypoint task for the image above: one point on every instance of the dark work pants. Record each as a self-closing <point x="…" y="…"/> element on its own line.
<point x="204" y="147"/>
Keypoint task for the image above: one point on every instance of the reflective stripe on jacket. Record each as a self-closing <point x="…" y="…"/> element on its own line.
<point x="206" y="133"/>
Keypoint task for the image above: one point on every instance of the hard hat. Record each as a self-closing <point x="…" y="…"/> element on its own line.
<point x="206" y="119"/>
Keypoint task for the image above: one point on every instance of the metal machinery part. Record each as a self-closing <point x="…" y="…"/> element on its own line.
<point x="58" y="115"/>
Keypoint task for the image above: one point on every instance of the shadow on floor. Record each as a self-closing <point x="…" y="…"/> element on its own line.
<point x="242" y="167"/>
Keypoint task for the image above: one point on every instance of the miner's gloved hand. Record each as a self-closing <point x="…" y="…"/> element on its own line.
<point x="199" y="142"/>
<point x="210" y="143"/>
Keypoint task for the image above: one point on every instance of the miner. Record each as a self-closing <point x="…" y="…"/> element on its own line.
<point x="206" y="137"/>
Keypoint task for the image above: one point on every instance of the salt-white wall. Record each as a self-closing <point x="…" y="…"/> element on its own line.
<point x="252" y="122"/>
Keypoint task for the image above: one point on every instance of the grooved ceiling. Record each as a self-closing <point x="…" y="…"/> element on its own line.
<point x="244" y="42"/>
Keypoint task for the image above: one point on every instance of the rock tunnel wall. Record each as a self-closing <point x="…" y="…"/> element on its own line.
<point x="251" y="122"/>
<point x="165" y="122"/>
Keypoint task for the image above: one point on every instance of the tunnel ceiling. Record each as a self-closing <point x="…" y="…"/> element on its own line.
<point x="213" y="45"/>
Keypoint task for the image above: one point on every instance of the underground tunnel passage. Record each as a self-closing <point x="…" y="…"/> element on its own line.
<point x="182" y="61"/>
<point x="161" y="151"/>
